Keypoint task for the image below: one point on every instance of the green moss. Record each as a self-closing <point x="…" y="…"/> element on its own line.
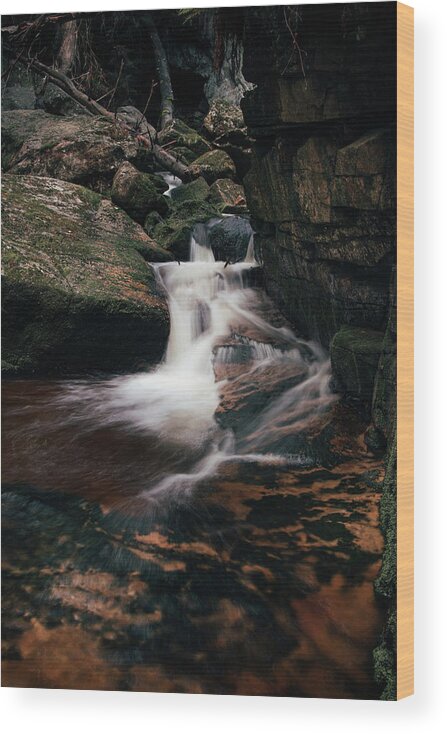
<point x="77" y="294"/>
<point x="214" y="165"/>
<point x="184" y="138"/>
<point x="174" y="233"/>
<point x="197" y="190"/>
<point x="355" y="355"/>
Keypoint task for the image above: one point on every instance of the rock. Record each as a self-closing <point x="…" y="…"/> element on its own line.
<point x="197" y="190"/>
<point x="228" y="196"/>
<point x="384" y="409"/>
<point x="174" y="233"/>
<point x="151" y="221"/>
<point x="16" y="97"/>
<point x="321" y="186"/>
<point x="18" y="91"/>
<point x="223" y="118"/>
<point x="80" y="149"/>
<point x="355" y="354"/>
<point x="368" y="155"/>
<point x="138" y="193"/>
<point x="77" y="294"/>
<point x="229" y="238"/>
<point x="185" y="142"/>
<point x="57" y="102"/>
<point x="214" y="165"/>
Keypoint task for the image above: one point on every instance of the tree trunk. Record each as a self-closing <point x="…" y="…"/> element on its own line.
<point x="164" y="76"/>
<point x="67" y="48"/>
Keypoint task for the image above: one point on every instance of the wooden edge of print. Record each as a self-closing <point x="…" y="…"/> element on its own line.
<point x="405" y="352"/>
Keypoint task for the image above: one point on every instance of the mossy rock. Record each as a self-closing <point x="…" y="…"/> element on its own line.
<point x="183" y="137"/>
<point x="198" y="190"/>
<point x="138" y="193"/>
<point x="81" y="149"/>
<point x="77" y="294"/>
<point x="223" y="118"/>
<point x="214" y="165"/>
<point x="355" y="354"/>
<point x="174" y="233"/>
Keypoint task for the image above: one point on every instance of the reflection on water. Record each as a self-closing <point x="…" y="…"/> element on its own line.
<point x="165" y="550"/>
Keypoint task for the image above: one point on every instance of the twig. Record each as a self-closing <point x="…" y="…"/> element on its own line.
<point x="143" y="114"/>
<point x="116" y="84"/>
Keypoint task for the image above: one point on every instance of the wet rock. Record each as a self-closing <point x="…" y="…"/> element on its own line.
<point x="77" y="293"/>
<point x="228" y="196"/>
<point x="80" y="149"/>
<point x="138" y="193"/>
<point x="229" y="238"/>
<point x="214" y="165"/>
<point x="244" y="398"/>
<point x="355" y="354"/>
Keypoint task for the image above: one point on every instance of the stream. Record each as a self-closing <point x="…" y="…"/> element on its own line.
<point x="185" y="529"/>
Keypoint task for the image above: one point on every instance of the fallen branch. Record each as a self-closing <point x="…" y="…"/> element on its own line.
<point x="130" y="116"/>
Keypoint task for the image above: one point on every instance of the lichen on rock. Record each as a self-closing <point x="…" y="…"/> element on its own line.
<point x="77" y="292"/>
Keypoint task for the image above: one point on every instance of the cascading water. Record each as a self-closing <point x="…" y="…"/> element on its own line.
<point x="209" y="303"/>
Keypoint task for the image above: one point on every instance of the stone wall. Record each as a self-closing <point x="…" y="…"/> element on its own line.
<point x="321" y="188"/>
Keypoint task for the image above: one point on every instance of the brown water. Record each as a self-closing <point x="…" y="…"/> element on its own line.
<point x="211" y="526"/>
<point x="259" y="582"/>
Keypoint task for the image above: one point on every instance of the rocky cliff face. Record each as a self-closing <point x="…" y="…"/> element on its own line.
<point x="321" y="186"/>
<point x="321" y="191"/>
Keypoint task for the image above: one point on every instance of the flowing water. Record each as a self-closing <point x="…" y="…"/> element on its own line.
<point x="176" y="403"/>
<point x="176" y="513"/>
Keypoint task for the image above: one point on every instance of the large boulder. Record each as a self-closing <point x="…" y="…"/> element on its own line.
<point x="228" y="196"/>
<point x="229" y="238"/>
<point x="77" y="294"/>
<point x="138" y="193"/>
<point x="355" y="354"/>
<point x="81" y="149"/>
<point x="214" y="165"/>
<point x="197" y="190"/>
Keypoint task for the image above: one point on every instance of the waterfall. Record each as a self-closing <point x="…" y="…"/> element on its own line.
<point x="210" y="303"/>
<point x="171" y="180"/>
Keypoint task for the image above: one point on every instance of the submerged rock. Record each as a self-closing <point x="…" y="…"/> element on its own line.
<point x="77" y="293"/>
<point x="138" y="193"/>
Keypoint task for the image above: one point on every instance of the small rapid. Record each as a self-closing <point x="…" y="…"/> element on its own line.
<point x="212" y="307"/>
